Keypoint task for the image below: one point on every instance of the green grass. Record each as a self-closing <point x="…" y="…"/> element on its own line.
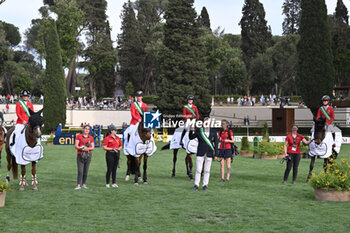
<point x="254" y="201"/>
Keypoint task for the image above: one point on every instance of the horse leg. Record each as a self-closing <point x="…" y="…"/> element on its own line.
<point x="312" y="163"/>
<point x="139" y="162"/>
<point x="34" y="181"/>
<point x="137" y="170"/>
<point x="190" y="165"/>
<point x="23" y="178"/>
<point x="128" y="164"/>
<point x="145" y="158"/>
<point x="9" y="166"/>
<point x="325" y="164"/>
<point x="0" y="158"/>
<point x="174" y="162"/>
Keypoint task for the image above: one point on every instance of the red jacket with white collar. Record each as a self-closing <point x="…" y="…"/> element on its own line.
<point x="330" y="111"/>
<point x="135" y="115"/>
<point x="188" y="115"/>
<point x="21" y="114"/>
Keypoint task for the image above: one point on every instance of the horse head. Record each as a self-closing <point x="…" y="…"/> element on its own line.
<point x="319" y="130"/>
<point x="35" y="123"/>
<point x="145" y="134"/>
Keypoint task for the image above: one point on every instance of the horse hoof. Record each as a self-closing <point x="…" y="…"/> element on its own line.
<point x="35" y="189"/>
<point x="7" y="179"/>
<point x="139" y="178"/>
<point x="136" y="184"/>
<point x="173" y="176"/>
<point x="21" y="189"/>
<point x="145" y="182"/>
<point x="127" y="178"/>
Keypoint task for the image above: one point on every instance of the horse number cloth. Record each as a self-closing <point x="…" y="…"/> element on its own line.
<point x="324" y="150"/>
<point x="134" y="145"/>
<point x="189" y="145"/>
<point x="19" y="148"/>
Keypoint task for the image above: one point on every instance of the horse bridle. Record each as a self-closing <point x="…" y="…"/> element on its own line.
<point x="31" y="134"/>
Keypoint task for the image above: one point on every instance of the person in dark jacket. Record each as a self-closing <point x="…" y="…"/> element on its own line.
<point x="206" y="151"/>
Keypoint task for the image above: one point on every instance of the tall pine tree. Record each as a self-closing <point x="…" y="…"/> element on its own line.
<point x="340" y="32"/>
<point x="256" y="35"/>
<point x="341" y="13"/>
<point x="183" y="71"/>
<point x="130" y="48"/>
<point x="291" y="10"/>
<point x="204" y="19"/>
<point x="54" y="83"/>
<point x="315" y="64"/>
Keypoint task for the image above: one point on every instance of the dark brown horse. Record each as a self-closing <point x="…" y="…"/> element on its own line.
<point x="32" y="133"/>
<point x="133" y="163"/>
<point x="2" y="140"/>
<point x="319" y="135"/>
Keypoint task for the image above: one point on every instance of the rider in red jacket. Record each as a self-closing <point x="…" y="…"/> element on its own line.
<point x="327" y="112"/>
<point x="22" y="107"/>
<point x="137" y="108"/>
<point x="190" y="110"/>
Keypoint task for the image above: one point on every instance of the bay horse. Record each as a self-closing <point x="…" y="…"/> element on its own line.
<point x="32" y="133"/>
<point x="134" y="163"/>
<point x="2" y="140"/>
<point x="188" y="158"/>
<point x="319" y="136"/>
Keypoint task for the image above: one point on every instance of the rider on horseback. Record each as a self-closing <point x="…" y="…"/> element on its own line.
<point x="190" y="110"/>
<point x="137" y="109"/>
<point x="327" y="112"/>
<point x="22" y="108"/>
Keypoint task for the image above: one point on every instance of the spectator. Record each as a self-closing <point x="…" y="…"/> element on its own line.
<point x="112" y="145"/>
<point x="84" y="143"/>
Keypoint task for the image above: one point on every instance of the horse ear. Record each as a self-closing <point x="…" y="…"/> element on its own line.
<point x="31" y="111"/>
<point x="40" y="111"/>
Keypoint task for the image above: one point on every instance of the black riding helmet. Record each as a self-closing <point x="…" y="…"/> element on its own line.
<point x="190" y="97"/>
<point x="326" y="98"/>
<point x="25" y="93"/>
<point x="139" y="93"/>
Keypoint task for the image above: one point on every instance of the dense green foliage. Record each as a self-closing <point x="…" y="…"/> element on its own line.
<point x="315" y="67"/>
<point x="54" y="83"/>
<point x="183" y="70"/>
<point x="204" y="19"/>
<point x="256" y="36"/>
<point x="291" y="10"/>
<point x="256" y="200"/>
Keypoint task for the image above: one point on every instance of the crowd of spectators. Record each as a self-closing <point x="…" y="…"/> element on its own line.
<point x="269" y="100"/>
<point x="86" y="103"/>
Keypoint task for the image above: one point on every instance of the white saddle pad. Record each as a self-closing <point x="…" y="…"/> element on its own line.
<point x="324" y="150"/>
<point x="134" y="146"/>
<point x="20" y="149"/>
<point x="189" y="145"/>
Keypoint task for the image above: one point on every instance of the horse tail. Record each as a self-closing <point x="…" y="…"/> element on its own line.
<point x="14" y="168"/>
<point x="166" y="147"/>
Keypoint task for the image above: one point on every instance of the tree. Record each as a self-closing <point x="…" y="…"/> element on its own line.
<point x="284" y="57"/>
<point x="315" y="61"/>
<point x="204" y="19"/>
<point x="5" y="52"/>
<point x="129" y="89"/>
<point x="262" y="74"/>
<point x="341" y="13"/>
<point x="182" y="71"/>
<point x="291" y="10"/>
<point x="340" y="33"/>
<point x="12" y="33"/>
<point x="100" y="57"/>
<point x="256" y="35"/>
<point x="69" y="27"/>
<point x="130" y="48"/>
<point x="147" y="19"/>
<point x="54" y="84"/>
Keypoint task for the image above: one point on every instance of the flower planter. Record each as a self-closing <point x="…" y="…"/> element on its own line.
<point x="246" y="153"/>
<point x="331" y="195"/>
<point x="280" y="156"/>
<point x="2" y="199"/>
<point x="256" y="156"/>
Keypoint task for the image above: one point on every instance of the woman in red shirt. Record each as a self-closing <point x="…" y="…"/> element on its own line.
<point x="225" y="151"/>
<point x="292" y="152"/>
<point x="112" y="145"/>
<point x="84" y="143"/>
